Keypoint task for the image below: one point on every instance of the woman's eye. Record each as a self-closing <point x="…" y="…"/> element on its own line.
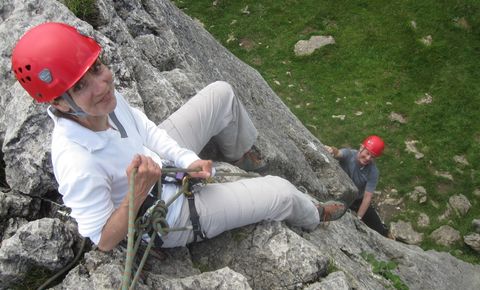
<point x="97" y="67"/>
<point x="78" y="86"/>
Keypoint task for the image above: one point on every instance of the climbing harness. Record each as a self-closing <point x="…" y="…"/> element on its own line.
<point x="194" y="187"/>
<point x="152" y="218"/>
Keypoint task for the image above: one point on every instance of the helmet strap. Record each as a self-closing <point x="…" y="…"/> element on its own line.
<point x="75" y="109"/>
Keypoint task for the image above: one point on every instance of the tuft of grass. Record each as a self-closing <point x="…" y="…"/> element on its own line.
<point x="83" y="9"/>
<point x="378" y="65"/>
<point x="33" y="279"/>
<point x="385" y="270"/>
<point x="332" y="267"/>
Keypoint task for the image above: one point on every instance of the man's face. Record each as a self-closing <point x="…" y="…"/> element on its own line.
<point x="364" y="156"/>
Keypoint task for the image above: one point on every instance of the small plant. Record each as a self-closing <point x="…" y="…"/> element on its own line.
<point x="33" y="279"/>
<point x="83" y="9"/>
<point x="332" y="267"/>
<point x="384" y="269"/>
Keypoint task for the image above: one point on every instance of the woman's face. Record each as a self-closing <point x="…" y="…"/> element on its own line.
<point x="94" y="92"/>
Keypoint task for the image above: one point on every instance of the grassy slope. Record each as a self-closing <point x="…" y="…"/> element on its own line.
<point x="377" y="66"/>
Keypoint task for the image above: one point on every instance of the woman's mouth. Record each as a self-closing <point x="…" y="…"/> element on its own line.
<point x="106" y="98"/>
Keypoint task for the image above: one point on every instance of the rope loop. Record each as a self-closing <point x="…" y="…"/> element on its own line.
<point x="155" y="219"/>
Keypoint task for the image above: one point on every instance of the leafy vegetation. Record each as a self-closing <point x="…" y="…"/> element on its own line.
<point x="388" y="55"/>
<point x="33" y="279"/>
<point x="385" y="270"/>
<point x="83" y="9"/>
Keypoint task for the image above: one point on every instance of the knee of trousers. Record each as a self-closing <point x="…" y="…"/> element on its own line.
<point x="222" y="90"/>
<point x="283" y="189"/>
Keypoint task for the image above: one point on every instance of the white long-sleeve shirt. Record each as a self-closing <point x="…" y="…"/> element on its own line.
<point x="90" y="167"/>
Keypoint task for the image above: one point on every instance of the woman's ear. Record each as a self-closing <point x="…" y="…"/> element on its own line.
<point x="60" y="104"/>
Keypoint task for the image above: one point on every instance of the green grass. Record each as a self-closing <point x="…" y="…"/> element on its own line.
<point x="385" y="269"/>
<point x="83" y="9"/>
<point x="378" y="65"/>
<point x="34" y="279"/>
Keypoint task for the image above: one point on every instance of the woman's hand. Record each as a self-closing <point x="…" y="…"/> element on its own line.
<point x="204" y="165"/>
<point x="148" y="173"/>
<point x="116" y="228"/>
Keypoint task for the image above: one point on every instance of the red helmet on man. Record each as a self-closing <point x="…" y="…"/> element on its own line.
<point x="374" y="144"/>
<point x="50" y="58"/>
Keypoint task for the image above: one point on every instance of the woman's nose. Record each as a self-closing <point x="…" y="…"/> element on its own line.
<point x="98" y="84"/>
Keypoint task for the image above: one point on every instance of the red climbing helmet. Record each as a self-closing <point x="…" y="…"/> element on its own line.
<point x="374" y="144"/>
<point x="50" y="58"/>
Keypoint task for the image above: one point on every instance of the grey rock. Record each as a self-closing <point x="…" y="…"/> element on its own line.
<point x="42" y="243"/>
<point x="411" y="147"/>
<point x="416" y="268"/>
<point x="336" y="280"/>
<point x="444" y="174"/>
<point x="445" y="235"/>
<point x="418" y="194"/>
<point x="224" y="278"/>
<point x="403" y="231"/>
<point x="476" y="225"/>
<point x="460" y="204"/>
<point x="12" y="226"/>
<point x="423" y="220"/>
<point x="307" y="47"/>
<point x="473" y="241"/>
<point x="427" y="40"/>
<point x="397" y="118"/>
<point x="461" y="159"/>
<point x="280" y="256"/>
<point x="13" y="204"/>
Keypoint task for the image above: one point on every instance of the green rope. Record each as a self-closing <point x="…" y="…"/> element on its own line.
<point x="216" y="173"/>
<point x="154" y="219"/>
<point x="131" y="231"/>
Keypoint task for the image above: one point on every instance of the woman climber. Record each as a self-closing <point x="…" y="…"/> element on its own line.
<point x="99" y="140"/>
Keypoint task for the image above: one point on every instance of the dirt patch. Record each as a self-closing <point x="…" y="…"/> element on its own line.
<point x="257" y="61"/>
<point x="247" y="44"/>
<point x="444" y="188"/>
<point x="308" y="30"/>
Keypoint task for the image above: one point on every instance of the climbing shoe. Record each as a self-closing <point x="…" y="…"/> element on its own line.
<point x="331" y="210"/>
<point x="252" y="161"/>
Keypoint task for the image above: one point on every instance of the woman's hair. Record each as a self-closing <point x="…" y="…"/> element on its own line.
<point x="56" y="112"/>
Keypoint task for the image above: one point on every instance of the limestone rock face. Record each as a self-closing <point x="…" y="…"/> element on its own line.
<point x="44" y="242"/>
<point x="160" y="58"/>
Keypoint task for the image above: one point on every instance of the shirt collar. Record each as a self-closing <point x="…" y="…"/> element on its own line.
<point x="76" y="133"/>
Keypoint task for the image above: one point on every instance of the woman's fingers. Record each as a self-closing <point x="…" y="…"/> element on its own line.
<point x="206" y="168"/>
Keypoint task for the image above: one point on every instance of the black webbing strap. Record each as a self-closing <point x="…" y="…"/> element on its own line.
<point x="194" y="187"/>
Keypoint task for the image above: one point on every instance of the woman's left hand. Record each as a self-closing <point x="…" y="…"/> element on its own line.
<point x="204" y="165"/>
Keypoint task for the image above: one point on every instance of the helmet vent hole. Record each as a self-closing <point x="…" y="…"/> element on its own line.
<point x="29" y="79"/>
<point x="28" y="67"/>
<point x="23" y="81"/>
<point x="20" y="69"/>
